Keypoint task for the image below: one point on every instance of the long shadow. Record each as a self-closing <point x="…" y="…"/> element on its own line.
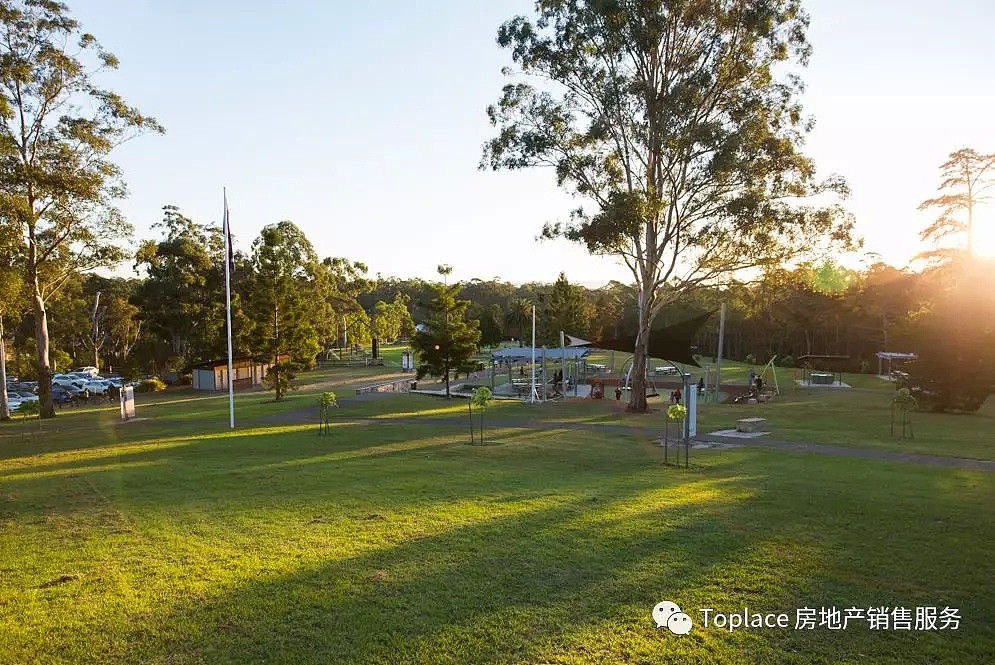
<point x="482" y="593"/>
<point x="559" y="541"/>
<point x="252" y="472"/>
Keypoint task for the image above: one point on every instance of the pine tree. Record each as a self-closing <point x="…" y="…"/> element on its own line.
<point x="448" y="340"/>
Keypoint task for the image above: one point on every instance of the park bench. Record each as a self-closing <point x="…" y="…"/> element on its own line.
<point x="750" y="424"/>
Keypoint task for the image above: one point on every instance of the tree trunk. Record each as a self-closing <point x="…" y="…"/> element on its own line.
<point x="4" y="406"/>
<point x="637" y="394"/>
<point x="44" y="367"/>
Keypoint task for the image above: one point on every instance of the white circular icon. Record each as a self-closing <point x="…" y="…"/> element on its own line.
<point x="663" y="611"/>
<point x="679" y="623"/>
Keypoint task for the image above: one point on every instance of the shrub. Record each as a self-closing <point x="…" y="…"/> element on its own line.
<point x="750" y="360"/>
<point x="152" y="385"/>
<point x="185" y="380"/>
<point x="787" y="361"/>
<point x="677" y="412"/>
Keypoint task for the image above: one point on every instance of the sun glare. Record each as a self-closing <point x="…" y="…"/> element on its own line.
<point x="984" y="234"/>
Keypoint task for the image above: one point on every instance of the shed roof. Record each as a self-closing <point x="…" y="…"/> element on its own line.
<point x="525" y="354"/>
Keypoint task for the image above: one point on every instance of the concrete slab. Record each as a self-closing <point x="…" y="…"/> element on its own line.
<point x="735" y="434"/>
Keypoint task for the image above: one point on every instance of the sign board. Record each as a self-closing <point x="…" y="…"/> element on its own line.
<point x="127" y="402"/>
<point x="406" y="364"/>
<point x="692" y="405"/>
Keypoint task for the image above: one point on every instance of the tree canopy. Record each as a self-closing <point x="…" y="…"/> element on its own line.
<point x="447" y="341"/>
<point x="677" y="125"/>
<point x="57" y="129"/>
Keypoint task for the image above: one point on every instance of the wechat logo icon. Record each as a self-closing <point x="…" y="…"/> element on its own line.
<point x="669" y="614"/>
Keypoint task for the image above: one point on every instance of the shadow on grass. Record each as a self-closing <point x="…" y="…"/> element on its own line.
<point x="402" y="544"/>
<point x="486" y="592"/>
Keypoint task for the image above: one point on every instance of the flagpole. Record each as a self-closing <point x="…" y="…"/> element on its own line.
<point x="532" y="387"/>
<point x="228" y="254"/>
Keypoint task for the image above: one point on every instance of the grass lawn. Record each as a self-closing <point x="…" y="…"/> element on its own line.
<point x="170" y="540"/>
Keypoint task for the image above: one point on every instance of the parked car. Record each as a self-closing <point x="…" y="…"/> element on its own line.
<point x="97" y="387"/>
<point x="78" y="391"/>
<point x="61" y="395"/>
<point x="89" y="371"/>
<point x="24" y="396"/>
<point x="13" y="403"/>
<point x="66" y="380"/>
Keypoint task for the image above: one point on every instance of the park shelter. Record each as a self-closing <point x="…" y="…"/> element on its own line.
<point x="890" y="357"/>
<point x="524" y="355"/>
<point x="213" y="375"/>
<point x="823" y="370"/>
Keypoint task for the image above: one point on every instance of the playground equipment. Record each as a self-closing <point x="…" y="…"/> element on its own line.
<point x="766" y="392"/>
<point x="769" y="367"/>
<point x="627" y="383"/>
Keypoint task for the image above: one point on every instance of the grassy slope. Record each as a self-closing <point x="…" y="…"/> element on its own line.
<point x="398" y="542"/>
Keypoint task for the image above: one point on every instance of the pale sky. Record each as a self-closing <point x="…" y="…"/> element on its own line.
<point x="363" y="123"/>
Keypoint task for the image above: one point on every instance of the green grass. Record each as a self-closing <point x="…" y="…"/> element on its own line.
<point x="170" y="540"/>
<point x="862" y="418"/>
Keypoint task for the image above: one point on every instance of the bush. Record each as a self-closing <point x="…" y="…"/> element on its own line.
<point x="787" y="361"/>
<point x="152" y="385"/>
<point x="750" y="360"/>
<point x="185" y="380"/>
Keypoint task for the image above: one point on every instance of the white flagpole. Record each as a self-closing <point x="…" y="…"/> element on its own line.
<point x="532" y="388"/>
<point x="228" y="253"/>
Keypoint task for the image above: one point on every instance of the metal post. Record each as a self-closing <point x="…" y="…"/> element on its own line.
<point x="532" y="391"/>
<point x="687" y="422"/>
<point x="718" y="355"/>
<point x="545" y="385"/>
<point x="228" y="253"/>
<point x="563" y="366"/>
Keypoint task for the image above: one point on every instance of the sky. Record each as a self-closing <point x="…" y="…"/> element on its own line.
<point x="363" y="123"/>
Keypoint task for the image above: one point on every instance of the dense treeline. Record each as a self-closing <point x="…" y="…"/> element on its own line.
<point x="287" y="301"/>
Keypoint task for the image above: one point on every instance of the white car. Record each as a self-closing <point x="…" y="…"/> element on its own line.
<point x="97" y="387"/>
<point x="13" y="403"/>
<point x="90" y="372"/>
<point x="67" y="380"/>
